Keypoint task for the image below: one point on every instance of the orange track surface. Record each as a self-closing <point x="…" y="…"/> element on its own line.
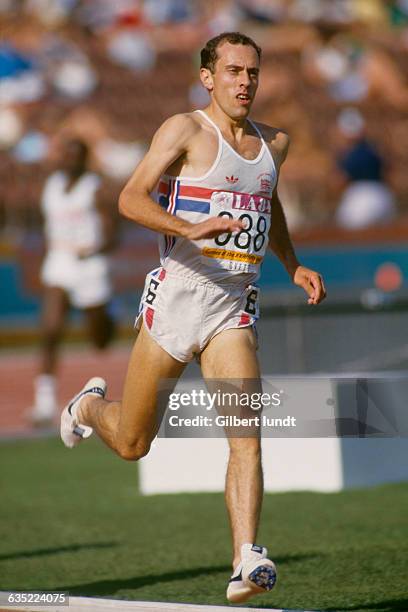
<point x="18" y="369"/>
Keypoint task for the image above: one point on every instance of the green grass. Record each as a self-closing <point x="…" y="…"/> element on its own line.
<point x="74" y="521"/>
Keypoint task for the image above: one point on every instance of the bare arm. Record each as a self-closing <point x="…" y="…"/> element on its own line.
<point x="104" y="199"/>
<point x="279" y="239"/>
<point x="172" y="141"/>
<point x="109" y="217"/>
<point x="281" y="244"/>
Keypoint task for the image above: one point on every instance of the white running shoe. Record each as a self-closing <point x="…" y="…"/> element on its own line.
<point x="254" y="574"/>
<point x="42" y="415"/>
<point x="72" y="432"/>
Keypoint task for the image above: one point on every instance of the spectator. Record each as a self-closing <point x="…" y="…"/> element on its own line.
<point x="353" y="69"/>
<point x="366" y="199"/>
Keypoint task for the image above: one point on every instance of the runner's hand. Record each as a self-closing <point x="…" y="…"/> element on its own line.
<point x="85" y="253"/>
<point x="311" y="282"/>
<point x="213" y="227"/>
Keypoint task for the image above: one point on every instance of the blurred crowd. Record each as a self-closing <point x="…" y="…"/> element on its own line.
<point x="334" y="76"/>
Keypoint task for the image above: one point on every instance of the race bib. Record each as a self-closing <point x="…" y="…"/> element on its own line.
<point x="244" y="250"/>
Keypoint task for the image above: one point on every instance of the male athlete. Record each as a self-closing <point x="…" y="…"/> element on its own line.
<point x="79" y="229"/>
<point x="217" y="209"/>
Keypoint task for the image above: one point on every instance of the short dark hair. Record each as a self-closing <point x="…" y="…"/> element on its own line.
<point x="209" y="54"/>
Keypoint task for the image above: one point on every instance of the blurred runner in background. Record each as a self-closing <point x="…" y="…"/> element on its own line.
<point x="80" y="232"/>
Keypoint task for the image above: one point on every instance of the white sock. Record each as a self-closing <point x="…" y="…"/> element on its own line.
<point x="45" y="395"/>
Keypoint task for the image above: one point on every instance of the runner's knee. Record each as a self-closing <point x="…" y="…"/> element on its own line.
<point x="101" y="331"/>
<point x="132" y="452"/>
<point x="51" y="334"/>
<point x="102" y="339"/>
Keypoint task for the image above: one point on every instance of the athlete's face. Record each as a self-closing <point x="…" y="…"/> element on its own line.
<point x="234" y="82"/>
<point x="73" y="157"/>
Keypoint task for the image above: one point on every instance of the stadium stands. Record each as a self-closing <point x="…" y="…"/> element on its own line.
<point x="316" y="62"/>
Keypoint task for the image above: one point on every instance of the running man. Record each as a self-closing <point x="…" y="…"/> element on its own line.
<point x="217" y="208"/>
<point x="80" y="230"/>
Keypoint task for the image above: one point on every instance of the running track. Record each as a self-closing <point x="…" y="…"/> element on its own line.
<point x="18" y="369"/>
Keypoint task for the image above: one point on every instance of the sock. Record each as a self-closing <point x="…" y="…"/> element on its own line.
<point x="45" y="395"/>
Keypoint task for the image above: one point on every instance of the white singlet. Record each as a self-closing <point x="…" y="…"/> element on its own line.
<point x="233" y="187"/>
<point x="71" y="219"/>
<point x="72" y="223"/>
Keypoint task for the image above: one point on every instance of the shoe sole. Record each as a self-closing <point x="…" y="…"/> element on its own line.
<point x="263" y="576"/>
<point x="260" y="579"/>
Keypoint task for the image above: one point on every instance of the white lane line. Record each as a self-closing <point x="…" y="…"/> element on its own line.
<point x="88" y="604"/>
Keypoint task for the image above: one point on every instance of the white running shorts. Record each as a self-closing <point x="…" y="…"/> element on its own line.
<point x="183" y="314"/>
<point x="86" y="281"/>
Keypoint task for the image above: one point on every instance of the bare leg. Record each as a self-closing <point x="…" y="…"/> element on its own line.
<point x="232" y="354"/>
<point x="129" y="426"/>
<point x="100" y="325"/>
<point x="244" y="491"/>
<point x="54" y="310"/>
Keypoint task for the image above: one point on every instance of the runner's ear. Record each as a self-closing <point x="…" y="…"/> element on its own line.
<point x="207" y="78"/>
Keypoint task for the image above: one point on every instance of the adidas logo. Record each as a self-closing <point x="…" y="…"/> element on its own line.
<point x="232" y="179"/>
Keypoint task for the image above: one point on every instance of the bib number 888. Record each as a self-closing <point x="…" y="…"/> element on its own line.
<point x="242" y="240"/>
